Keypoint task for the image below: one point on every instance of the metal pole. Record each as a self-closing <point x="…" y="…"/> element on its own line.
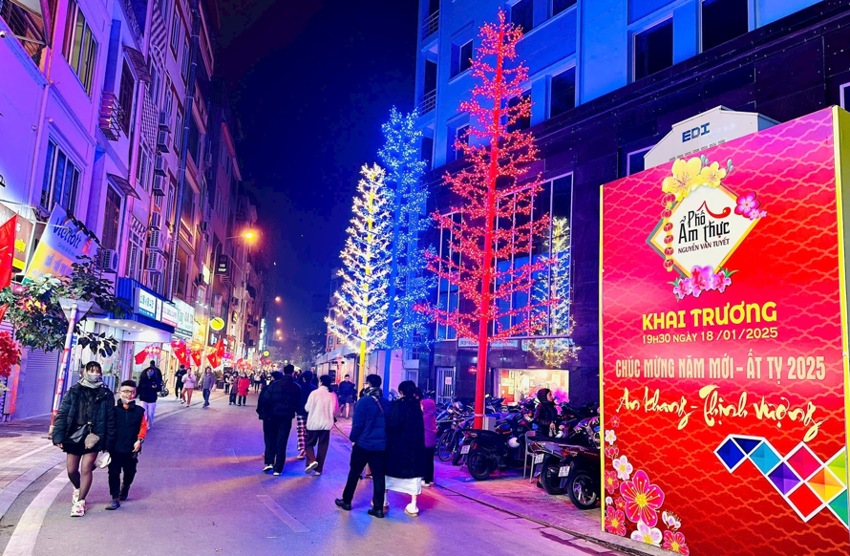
<point x="62" y="372"/>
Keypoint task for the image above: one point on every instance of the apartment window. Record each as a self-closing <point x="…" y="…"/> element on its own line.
<point x="723" y="20"/>
<point x="457" y="136"/>
<point x="143" y="169"/>
<point x="61" y="180"/>
<point x="136" y="252"/>
<point x="184" y="64"/>
<point x="80" y="48"/>
<point x="461" y="57"/>
<point x="522" y="15"/>
<point x="178" y="131"/>
<point x="168" y="105"/>
<point x="562" y="92"/>
<point x="634" y="161"/>
<point x="428" y="152"/>
<point x="653" y="49"/>
<point x="525" y="121"/>
<point x="111" y="219"/>
<point x="560" y="5"/>
<point x="169" y="205"/>
<point x="844" y="96"/>
<point x="125" y="97"/>
<point x="188" y="206"/>
<point x="175" y="31"/>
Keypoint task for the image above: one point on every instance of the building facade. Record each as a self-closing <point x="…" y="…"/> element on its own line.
<point x="108" y="110"/>
<point x="607" y="81"/>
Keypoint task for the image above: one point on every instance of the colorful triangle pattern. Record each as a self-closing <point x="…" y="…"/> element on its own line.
<point x="806" y="483"/>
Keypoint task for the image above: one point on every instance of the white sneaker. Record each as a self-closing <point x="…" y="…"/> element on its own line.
<point x="75" y="496"/>
<point x="311" y="467"/>
<point x="268" y="468"/>
<point x="78" y="509"/>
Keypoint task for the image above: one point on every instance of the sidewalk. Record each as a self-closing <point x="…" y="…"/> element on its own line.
<point x="26" y="453"/>
<point x="510" y="493"/>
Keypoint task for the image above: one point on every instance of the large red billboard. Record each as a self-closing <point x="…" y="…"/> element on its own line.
<point x="724" y="373"/>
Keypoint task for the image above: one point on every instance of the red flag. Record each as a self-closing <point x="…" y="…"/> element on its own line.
<point x="213" y="359"/>
<point x="197" y="356"/>
<point x="7" y="250"/>
<point x="180" y="352"/>
<point x="141" y="356"/>
<point x="219" y="348"/>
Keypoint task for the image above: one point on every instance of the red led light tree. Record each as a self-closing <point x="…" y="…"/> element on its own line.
<point x="491" y="228"/>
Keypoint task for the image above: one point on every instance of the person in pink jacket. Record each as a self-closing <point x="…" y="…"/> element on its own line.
<point x="429" y="416"/>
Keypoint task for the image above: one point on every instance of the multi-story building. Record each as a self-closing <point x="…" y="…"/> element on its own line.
<point x="104" y="116"/>
<point x="607" y="80"/>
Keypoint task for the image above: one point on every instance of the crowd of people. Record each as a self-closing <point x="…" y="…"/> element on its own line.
<point x="392" y="442"/>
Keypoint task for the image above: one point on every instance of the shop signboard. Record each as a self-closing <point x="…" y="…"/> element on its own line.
<point x="170" y="314"/>
<point x="146" y="303"/>
<point x="23" y="237"/>
<point x="185" y="327"/>
<point x="64" y="240"/>
<point x="724" y="341"/>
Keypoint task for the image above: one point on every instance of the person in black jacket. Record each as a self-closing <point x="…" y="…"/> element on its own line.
<point x="150" y="384"/>
<point x="84" y="426"/>
<point x="178" y="384"/>
<point x="130" y="431"/>
<point x="276" y="407"/>
<point x="406" y="445"/>
<point x="546" y="414"/>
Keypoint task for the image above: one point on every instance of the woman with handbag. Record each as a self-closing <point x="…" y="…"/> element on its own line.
<point x="84" y="426"/>
<point x="189" y="383"/>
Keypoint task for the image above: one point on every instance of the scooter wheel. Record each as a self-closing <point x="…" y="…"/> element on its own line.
<point x="479" y="465"/>
<point x="549" y="479"/>
<point x="582" y="492"/>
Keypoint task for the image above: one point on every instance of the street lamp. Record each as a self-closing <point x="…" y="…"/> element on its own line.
<point x="277" y="299"/>
<point x="72" y="308"/>
<point x="250" y="235"/>
<point x="278" y="319"/>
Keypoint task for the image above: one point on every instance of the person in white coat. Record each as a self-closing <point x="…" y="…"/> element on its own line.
<point x="321" y="407"/>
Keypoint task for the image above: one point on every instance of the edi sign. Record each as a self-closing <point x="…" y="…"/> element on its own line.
<point x="724" y="342"/>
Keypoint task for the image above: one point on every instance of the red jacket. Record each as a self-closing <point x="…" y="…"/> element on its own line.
<point x="243" y="385"/>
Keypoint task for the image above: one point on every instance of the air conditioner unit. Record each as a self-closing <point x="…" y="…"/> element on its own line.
<point x="163" y="121"/>
<point x="155" y="280"/>
<point x="109" y="260"/>
<point x="162" y="139"/>
<point x="158" y="186"/>
<point x="156" y="221"/>
<point x="154" y="240"/>
<point x="159" y="166"/>
<point x="153" y="262"/>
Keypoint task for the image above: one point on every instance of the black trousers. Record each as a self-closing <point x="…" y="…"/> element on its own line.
<point x="275" y="436"/>
<point x="320" y="438"/>
<point x="377" y="464"/>
<point x="428" y="454"/>
<point x="177" y="389"/>
<point x="121" y="461"/>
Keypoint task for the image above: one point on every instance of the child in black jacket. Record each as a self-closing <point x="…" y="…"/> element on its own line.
<point x="131" y="428"/>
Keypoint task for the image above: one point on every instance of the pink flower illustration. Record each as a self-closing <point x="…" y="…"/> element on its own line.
<point x="612" y="484"/>
<point x="615" y="521"/>
<point x="647" y="534"/>
<point x="683" y="288"/>
<point x="747" y="204"/>
<point x="704" y="279"/>
<point x="643" y="499"/>
<point x="675" y="542"/>
<point x="722" y="281"/>
<point x="611" y="452"/>
<point x="620" y="504"/>
<point x="614" y="422"/>
<point x="623" y="468"/>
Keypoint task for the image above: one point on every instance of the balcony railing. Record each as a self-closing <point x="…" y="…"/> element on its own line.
<point x="111" y="116"/>
<point x="26" y="26"/>
<point x="427" y="102"/>
<point x="431" y="24"/>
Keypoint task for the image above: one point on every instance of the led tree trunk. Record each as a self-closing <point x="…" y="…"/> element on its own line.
<point x="361" y="301"/>
<point x="491" y="229"/>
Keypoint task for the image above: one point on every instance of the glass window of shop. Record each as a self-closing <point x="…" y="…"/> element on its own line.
<point x="448" y="295"/>
<point x="515" y="385"/>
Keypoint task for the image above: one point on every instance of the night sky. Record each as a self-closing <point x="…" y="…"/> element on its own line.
<point x="311" y="82"/>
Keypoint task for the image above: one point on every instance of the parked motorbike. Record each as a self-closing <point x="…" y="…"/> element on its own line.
<point x="487" y="451"/>
<point x="571" y="465"/>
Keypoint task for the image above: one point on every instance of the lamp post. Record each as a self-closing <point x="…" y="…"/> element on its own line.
<point x="72" y="308"/>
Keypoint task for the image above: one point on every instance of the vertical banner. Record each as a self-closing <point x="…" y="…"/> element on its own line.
<point x="724" y="327"/>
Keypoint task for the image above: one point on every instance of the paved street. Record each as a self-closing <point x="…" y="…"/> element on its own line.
<point x="200" y="491"/>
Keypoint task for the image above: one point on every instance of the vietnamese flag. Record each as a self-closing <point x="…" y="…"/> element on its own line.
<point x="141" y="356"/>
<point x="7" y="250"/>
<point x="197" y="356"/>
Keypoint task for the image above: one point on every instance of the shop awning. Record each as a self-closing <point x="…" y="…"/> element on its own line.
<point x="122" y="184"/>
<point x="140" y="67"/>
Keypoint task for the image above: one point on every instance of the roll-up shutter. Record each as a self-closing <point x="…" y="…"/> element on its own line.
<point x="36" y="384"/>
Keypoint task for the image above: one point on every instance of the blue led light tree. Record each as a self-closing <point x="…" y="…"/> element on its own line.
<point x="408" y="284"/>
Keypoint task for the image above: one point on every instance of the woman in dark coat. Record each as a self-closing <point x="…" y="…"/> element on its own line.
<point x="546" y="415"/>
<point x="406" y="446"/>
<point x="87" y="410"/>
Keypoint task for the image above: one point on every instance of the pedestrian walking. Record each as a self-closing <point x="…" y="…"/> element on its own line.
<point x="346" y="397"/>
<point x="321" y="407"/>
<point x="429" y="418"/>
<point x="258" y="381"/>
<point x="405" y="446"/>
<point x="130" y="431"/>
<point x="276" y="408"/>
<point x="234" y="380"/>
<point x="242" y="387"/>
<point x="189" y="383"/>
<point x="178" y="383"/>
<point x="228" y="381"/>
<point x="307" y="387"/>
<point x="369" y="444"/>
<point x="150" y="384"/>
<point x="84" y="426"/>
<point x="207" y="383"/>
